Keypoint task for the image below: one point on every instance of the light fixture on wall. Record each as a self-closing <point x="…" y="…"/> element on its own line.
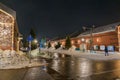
<point x="82" y="39"/>
<point x="78" y="41"/>
<point x="98" y="40"/>
<point x="72" y="42"/>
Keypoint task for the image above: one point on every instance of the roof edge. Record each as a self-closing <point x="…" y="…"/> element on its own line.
<point x="8" y="10"/>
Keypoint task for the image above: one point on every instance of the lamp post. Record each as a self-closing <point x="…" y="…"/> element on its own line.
<point x="29" y="39"/>
<point x="35" y="41"/>
<point x="91" y="36"/>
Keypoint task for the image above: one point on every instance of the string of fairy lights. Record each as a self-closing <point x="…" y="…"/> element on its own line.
<point x="6" y="24"/>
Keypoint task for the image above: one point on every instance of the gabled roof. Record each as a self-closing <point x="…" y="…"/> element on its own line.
<point x="8" y="10"/>
<point x="106" y="28"/>
<point x="72" y="35"/>
<point x="13" y="14"/>
<point x="75" y="34"/>
<point x="58" y="38"/>
<point x="17" y="30"/>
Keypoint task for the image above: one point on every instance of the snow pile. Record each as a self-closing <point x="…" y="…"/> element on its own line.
<point x="72" y="48"/>
<point x="11" y="58"/>
<point x="51" y="48"/>
<point x="35" y="52"/>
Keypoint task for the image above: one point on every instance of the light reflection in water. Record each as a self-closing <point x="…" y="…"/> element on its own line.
<point x="117" y="67"/>
<point x="73" y="67"/>
<point x="99" y="66"/>
<point x="55" y="65"/>
<point x="83" y="68"/>
<point x="63" y="56"/>
<point x="55" y="56"/>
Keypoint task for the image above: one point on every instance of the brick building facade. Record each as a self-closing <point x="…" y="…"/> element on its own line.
<point x="9" y="33"/>
<point x="103" y="36"/>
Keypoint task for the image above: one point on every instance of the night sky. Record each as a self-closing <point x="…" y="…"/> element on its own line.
<point x="53" y="18"/>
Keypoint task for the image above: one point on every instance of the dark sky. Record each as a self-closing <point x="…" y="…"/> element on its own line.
<point x="51" y="18"/>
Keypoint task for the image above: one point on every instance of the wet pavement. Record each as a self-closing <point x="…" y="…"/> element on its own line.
<point x="36" y="73"/>
<point x="67" y="68"/>
<point x="17" y="74"/>
<point x="74" y="68"/>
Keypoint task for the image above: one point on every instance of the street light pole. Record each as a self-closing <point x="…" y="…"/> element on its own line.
<point x="91" y="36"/>
<point x="29" y="39"/>
<point x="30" y="52"/>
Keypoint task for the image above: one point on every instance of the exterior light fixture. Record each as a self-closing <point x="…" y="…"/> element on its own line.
<point x="82" y="39"/>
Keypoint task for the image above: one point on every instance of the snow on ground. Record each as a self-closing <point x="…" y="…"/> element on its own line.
<point x="35" y="52"/>
<point x="12" y="60"/>
<point x="99" y="55"/>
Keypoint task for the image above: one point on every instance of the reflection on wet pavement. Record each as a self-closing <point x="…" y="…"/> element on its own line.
<point x="68" y="68"/>
<point x="16" y="74"/>
<point x="73" y="68"/>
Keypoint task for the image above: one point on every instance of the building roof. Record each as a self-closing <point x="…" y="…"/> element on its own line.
<point x="106" y="28"/>
<point x="13" y="14"/>
<point x="75" y="34"/>
<point x="17" y="30"/>
<point x="8" y="10"/>
<point x="72" y="35"/>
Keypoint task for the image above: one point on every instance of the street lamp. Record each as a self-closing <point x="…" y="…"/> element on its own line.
<point x="29" y="39"/>
<point x="35" y="41"/>
<point x="91" y="35"/>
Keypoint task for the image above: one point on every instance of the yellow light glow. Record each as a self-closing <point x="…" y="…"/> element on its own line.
<point x="35" y="41"/>
<point x="8" y="15"/>
<point x="52" y="44"/>
<point x="83" y="39"/>
<point x="72" y="42"/>
<point x="87" y="40"/>
<point x="6" y="23"/>
<point x="63" y="43"/>
<point x="79" y="41"/>
<point x="7" y="30"/>
<point x="98" y="40"/>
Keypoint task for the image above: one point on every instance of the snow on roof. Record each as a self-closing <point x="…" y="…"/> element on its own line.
<point x="106" y="28"/>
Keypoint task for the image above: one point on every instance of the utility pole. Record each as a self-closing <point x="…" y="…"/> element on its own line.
<point x="91" y="36"/>
<point x="29" y="39"/>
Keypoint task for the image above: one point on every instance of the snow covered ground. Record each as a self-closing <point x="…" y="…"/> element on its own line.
<point x="99" y="55"/>
<point x="12" y="60"/>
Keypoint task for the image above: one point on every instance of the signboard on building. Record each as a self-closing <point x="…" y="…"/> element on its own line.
<point x="102" y="47"/>
<point x="110" y="48"/>
<point x="96" y="47"/>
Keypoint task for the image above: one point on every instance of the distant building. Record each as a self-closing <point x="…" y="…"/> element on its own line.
<point x="9" y="34"/>
<point x="108" y="35"/>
